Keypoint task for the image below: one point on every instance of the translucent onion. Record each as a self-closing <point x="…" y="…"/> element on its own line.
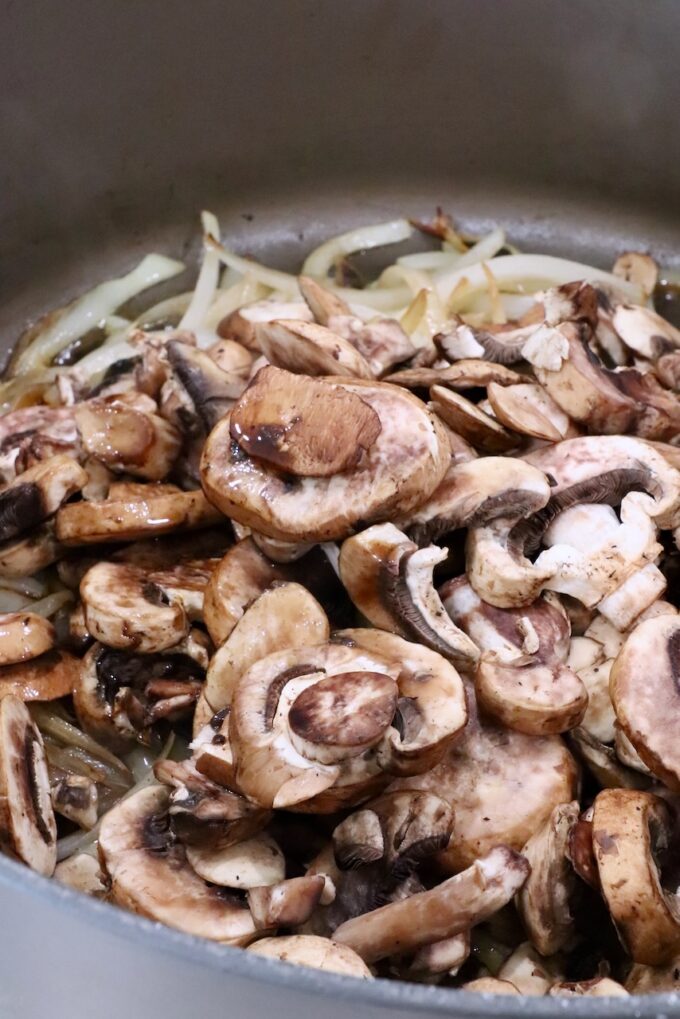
<point x="51" y="603"/>
<point x="208" y="277"/>
<point x="49" y="721"/>
<point x="13" y="601"/>
<point x="79" y="762"/>
<point x="32" y="587"/>
<point x="321" y="260"/>
<point x="92" y="309"/>
<point x="244" y="291"/>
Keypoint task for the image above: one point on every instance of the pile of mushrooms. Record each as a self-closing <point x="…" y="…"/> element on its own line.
<point x="367" y="653"/>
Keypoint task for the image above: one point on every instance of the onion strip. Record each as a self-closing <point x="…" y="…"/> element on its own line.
<point x="320" y="261"/>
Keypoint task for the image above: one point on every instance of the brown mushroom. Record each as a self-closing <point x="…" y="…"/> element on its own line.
<point x="23" y="635"/>
<point x="310" y="950"/>
<point x="242" y="575"/>
<point x="126" y="439"/>
<point x="476" y="427"/>
<point x="37" y="493"/>
<point x="309" y="349"/>
<point x="51" y="675"/>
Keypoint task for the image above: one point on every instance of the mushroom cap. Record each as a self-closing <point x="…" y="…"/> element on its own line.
<point x="255" y="862"/>
<point x="37" y="494"/>
<point x="32" y="552"/>
<point x="402" y="467"/>
<point x="629" y="827"/>
<point x="127" y="439"/>
<point x="150" y="874"/>
<point x="27" y="825"/>
<point x="525" y="968"/>
<point x="24" y="635"/>
<point x="490" y="985"/>
<point x="240" y="577"/>
<point x="646" y="702"/>
<point x="51" y="675"/>
<point x="310" y="349"/>
<point x="311" y="950"/>
<point x="502" y="786"/>
<point x="479" y="429"/>
<point x="599" y="987"/>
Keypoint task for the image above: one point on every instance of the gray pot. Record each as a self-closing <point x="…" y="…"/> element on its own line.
<point x="294" y="119"/>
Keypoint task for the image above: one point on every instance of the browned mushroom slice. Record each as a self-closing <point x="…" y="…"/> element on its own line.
<point x="645" y="332"/>
<point x="240" y="577"/>
<point x="150" y="874"/>
<point x="309" y="349"/>
<point x="305" y="723"/>
<point x="646" y="703"/>
<point x="431" y="709"/>
<point x="466" y="374"/>
<point x="23" y="635"/>
<point x="502" y="786"/>
<point x="580" y="850"/>
<point x="668" y="371"/>
<point x="210" y="390"/>
<point x="535" y="698"/>
<point x="125" y="439"/>
<point x="322" y="303"/>
<point x="403" y="462"/>
<point x="75" y="797"/>
<point x="30" y="553"/>
<point x="389" y="579"/>
<point x="45" y="678"/>
<point x="490" y="985"/>
<point x="544" y="901"/>
<point x="284" y="616"/>
<point x="302" y="426"/>
<point x="135" y="511"/>
<point x="529" y="410"/>
<point x="637" y="267"/>
<point x="286" y="904"/>
<point x="480" y="430"/>
<point x="124" y="609"/>
<point x="310" y="950"/>
<point x="598" y="987"/>
<point x="629" y="829"/>
<point x="185" y="583"/>
<point x="28" y="830"/>
<point x="240" y="325"/>
<point x="37" y="494"/>
<point x="430" y="916"/>
<point x="501" y="344"/>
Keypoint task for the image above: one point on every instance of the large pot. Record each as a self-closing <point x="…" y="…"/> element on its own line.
<point x="294" y="119"/>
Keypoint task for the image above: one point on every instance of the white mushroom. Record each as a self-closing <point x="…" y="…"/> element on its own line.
<point x="309" y="349"/>
<point x="525" y="968"/>
<point x="241" y="576"/>
<point x="51" y="675"/>
<point x="255" y="862"/>
<point x="23" y="635"/>
<point x="313" y="951"/>
<point x="82" y="873"/>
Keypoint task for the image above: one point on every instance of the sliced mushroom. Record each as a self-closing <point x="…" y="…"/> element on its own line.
<point x="28" y="829"/>
<point x="322" y="303"/>
<point x="75" y="797"/>
<point x="521" y="678"/>
<point x="598" y="987"/>
<point x="430" y="916"/>
<point x="286" y="904"/>
<point x="150" y="875"/>
<point x="431" y="710"/>
<point x="37" y="494"/>
<point x="529" y="410"/>
<point x="240" y="325"/>
<point x="389" y="579"/>
<point x="210" y="389"/>
<point x="51" y="675"/>
<point x="82" y="873"/>
<point x="305" y="725"/>
<point x="256" y="862"/>
<point x="490" y="985"/>
<point x="442" y="957"/>
<point x="645" y="701"/>
<point x="23" y="635"/>
<point x="313" y="951"/>
<point x="525" y="968"/>
<point x="134" y="511"/>
<point x="637" y="267"/>
<point x="283" y="617"/>
<point x="476" y="427"/>
<point x="124" y="609"/>
<point x="603" y="763"/>
<point x="501" y="344"/>
<point x="645" y="332"/>
<point x="502" y="786"/>
<point x="629" y="829"/>
<point x="31" y="553"/>
<point x="654" y="979"/>
<point x="119" y="696"/>
<point x="544" y="900"/>
<point x="242" y="575"/>
<point x="309" y="349"/>
<point x="395" y="466"/>
<point x="466" y="374"/>
<point x="125" y="439"/>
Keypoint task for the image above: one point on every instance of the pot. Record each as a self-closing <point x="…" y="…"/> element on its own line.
<point x="294" y="120"/>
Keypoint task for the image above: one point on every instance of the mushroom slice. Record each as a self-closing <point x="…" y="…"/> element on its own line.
<point x="204" y="815"/>
<point x="448" y="909"/>
<point x="209" y="388"/>
<point x="626" y="752"/>
<point x="75" y="797"/>
<point x="240" y="325"/>
<point x="629" y="828"/>
<point x="389" y="579"/>
<point x="476" y="427"/>
<point x="431" y="709"/>
<point x="135" y="511"/>
<point x="529" y="410"/>
<point x="501" y="344"/>
<point x="645" y="332"/>
<point x="302" y="426"/>
<point x="502" y="786"/>
<point x="313" y="951"/>
<point x="242" y="575"/>
<point x="124" y="609"/>
<point x="256" y="862"/>
<point x="637" y="267"/>
<point x="81" y="873"/>
<point x="598" y="987"/>
<point x="520" y="679"/>
<point x="602" y="761"/>
<point x="51" y="675"/>
<point x="442" y="957"/>
<point x="30" y="553"/>
<point x="284" y="616"/>
<point x="525" y="968"/>
<point x="466" y="374"/>
<point x="185" y="583"/>
<point x="286" y="904"/>
<point x="543" y="902"/>
<point x="119" y="696"/>
<point x="23" y="635"/>
<point x="646" y="702"/>
<point x="490" y="985"/>
<point x="126" y="439"/>
<point x="305" y="723"/>
<point x="654" y="979"/>
<point x="28" y="830"/>
<point x="37" y="494"/>
<point x="309" y="349"/>
<point x="322" y="303"/>
<point x="382" y="471"/>
<point x="281" y="551"/>
<point x="150" y="874"/>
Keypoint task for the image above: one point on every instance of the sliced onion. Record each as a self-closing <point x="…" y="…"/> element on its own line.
<point x="49" y="721"/>
<point x="51" y="603"/>
<point x="32" y="587"/>
<point x="79" y="762"/>
<point x="208" y="277"/>
<point x="321" y="260"/>
<point x="244" y="291"/>
<point x="12" y="601"/>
